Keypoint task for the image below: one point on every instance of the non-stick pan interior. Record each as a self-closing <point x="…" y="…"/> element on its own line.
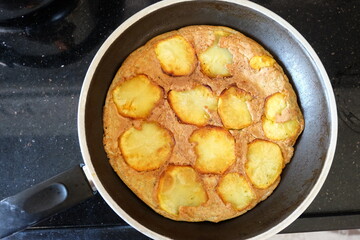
<point x="298" y="177"/>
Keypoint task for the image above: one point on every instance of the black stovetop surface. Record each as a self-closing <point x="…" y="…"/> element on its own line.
<point x="43" y="61"/>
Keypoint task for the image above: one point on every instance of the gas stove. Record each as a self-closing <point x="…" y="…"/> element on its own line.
<point x="44" y="56"/>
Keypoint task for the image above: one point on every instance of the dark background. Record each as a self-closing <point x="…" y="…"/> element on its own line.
<point x="44" y="57"/>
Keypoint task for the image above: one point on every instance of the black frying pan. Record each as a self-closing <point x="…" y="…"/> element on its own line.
<point x="301" y="179"/>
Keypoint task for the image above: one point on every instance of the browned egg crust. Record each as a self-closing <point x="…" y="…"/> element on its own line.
<point x="199" y="123"/>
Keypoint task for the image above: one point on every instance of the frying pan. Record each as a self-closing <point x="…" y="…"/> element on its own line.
<point x="301" y="179"/>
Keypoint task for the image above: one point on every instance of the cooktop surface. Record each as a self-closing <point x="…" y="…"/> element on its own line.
<point x="45" y="53"/>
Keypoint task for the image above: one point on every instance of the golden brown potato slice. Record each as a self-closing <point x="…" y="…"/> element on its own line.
<point x="136" y="97"/>
<point x="222" y="33"/>
<point x="215" y="149"/>
<point x="180" y="186"/>
<point x="258" y="62"/>
<point x="280" y="130"/>
<point x="233" y="108"/>
<point x="193" y="106"/>
<point x="214" y="60"/>
<point x="274" y="105"/>
<point x="234" y="189"/>
<point x="176" y="56"/>
<point x="146" y="148"/>
<point x="264" y="163"/>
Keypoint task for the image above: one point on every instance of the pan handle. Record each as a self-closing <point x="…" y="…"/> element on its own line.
<point x="43" y="200"/>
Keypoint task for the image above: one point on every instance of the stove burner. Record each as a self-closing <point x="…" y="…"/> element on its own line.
<point x="51" y="33"/>
<point x="28" y="13"/>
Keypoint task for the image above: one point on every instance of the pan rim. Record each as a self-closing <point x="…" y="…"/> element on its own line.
<point x="92" y="176"/>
